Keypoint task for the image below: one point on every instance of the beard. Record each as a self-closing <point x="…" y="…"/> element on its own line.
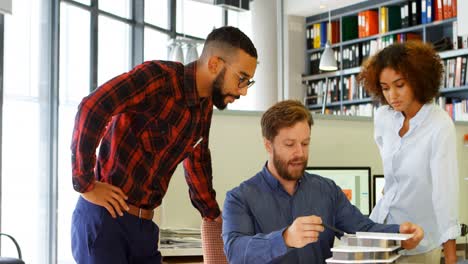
<point x="281" y="166"/>
<point x="218" y="96"/>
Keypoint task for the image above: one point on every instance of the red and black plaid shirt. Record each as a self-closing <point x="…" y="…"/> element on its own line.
<point x="149" y="120"/>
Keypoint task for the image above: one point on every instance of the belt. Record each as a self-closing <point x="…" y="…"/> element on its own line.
<point x="140" y="212"/>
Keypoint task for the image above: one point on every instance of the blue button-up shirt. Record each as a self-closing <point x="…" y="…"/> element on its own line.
<point x="257" y="212"/>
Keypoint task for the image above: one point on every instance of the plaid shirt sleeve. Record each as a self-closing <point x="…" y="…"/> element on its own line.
<point x="123" y="93"/>
<point x="198" y="174"/>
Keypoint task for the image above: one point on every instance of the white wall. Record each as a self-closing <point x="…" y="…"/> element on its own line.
<point x="264" y="36"/>
<point x="238" y="153"/>
<point x="294" y="61"/>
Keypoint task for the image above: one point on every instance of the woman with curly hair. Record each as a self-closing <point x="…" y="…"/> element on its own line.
<point x="416" y="140"/>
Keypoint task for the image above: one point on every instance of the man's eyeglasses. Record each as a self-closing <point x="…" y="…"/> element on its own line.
<point x="243" y="80"/>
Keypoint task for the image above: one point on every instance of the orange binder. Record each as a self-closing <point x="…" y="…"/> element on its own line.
<point x="361" y="25"/>
<point x="447" y="6"/>
<point x="372" y="22"/>
<point x="438" y="10"/>
<point x="454" y="8"/>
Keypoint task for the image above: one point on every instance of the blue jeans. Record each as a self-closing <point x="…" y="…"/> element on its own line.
<point x="97" y="238"/>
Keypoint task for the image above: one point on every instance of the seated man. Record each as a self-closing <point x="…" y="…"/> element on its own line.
<point x="276" y="216"/>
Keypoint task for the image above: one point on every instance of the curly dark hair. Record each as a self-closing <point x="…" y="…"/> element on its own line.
<point x="284" y="114"/>
<point x="416" y="61"/>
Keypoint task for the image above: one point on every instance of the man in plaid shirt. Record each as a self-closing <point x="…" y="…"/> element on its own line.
<point x="146" y="122"/>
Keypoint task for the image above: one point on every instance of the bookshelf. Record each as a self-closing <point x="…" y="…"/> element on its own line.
<point x="385" y="25"/>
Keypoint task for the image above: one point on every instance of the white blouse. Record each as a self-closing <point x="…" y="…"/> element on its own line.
<point x="421" y="174"/>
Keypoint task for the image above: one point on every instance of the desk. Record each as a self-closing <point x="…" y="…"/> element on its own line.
<point x="182" y="255"/>
<point x="171" y="252"/>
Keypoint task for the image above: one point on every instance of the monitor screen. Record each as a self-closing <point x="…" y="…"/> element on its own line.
<point x="354" y="181"/>
<point x="378" y="183"/>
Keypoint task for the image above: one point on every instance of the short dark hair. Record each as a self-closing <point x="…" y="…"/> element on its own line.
<point x="232" y="37"/>
<point x="284" y="114"/>
<point x="416" y="61"/>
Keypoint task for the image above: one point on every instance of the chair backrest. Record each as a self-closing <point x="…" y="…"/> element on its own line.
<point x="212" y="243"/>
<point x="4" y="260"/>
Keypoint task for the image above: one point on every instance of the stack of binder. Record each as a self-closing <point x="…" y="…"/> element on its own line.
<point x="368" y="247"/>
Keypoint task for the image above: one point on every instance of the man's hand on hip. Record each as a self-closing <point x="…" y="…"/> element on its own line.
<point x="108" y="196"/>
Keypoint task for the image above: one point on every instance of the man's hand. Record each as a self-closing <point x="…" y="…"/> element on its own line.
<point x="410" y="228"/>
<point x="304" y="230"/>
<point x="108" y="196"/>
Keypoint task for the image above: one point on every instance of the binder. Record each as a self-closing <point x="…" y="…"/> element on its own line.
<point x="316" y="36"/>
<point x="445" y="9"/>
<point x="454" y="8"/>
<point x="394" y="17"/>
<point x="371" y="22"/>
<point x="415" y="7"/>
<point x="429" y="11"/>
<point x="361" y="24"/>
<point x="438" y="10"/>
<point x="423" y="12"/>
<point x="349" y="27"/>
<point x="323" y="34"/>
<point x="383" y="19"/>
<point x="449" y="9"/>
<point x="335" y="32"/>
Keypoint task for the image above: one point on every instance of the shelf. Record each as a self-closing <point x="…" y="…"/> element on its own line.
<point x="319" y="50"/>
<point x="441" y="22"/>
<point x="457" y="92"/>
<point x="453" y="53"/>
<point x="350" y="71"/>
<point x="347" y="102"/>
<point x="319" y="76"/>
<point x="358" y="101"/>
<point x="428" y="32"/>
<point x="393" y="32"/>
<point x="319" y="106"/>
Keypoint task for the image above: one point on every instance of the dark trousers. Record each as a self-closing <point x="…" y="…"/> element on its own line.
<point x="97" y="238"/>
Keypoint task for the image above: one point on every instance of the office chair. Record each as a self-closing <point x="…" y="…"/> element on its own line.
<point x="212" y="243"/>
<point x="6" y="260"/>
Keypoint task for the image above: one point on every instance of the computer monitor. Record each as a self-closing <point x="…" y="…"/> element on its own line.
<point x="354" y="181"/>
<point x="378" y="183"/>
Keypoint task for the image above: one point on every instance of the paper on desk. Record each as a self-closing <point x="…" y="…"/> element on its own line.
<point x="388" y="236"/>
<point x="344" y="248"/>
<point x="390" y="260"/>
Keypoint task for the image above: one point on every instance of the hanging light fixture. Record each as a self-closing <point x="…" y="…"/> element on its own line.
<point x="327" y="60"/>
<point x="192" y="53"/>
<point x="176" y="53"/>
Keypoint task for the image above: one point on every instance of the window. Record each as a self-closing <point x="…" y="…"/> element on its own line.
<point x="156" y="45"/>
<point x="157" y="13"/>
<point x="85" y="2"/>
<point x="74" y="85"/>
<point x="25" y="128"/>
<point x="117" y="7"/>
<point x="198" y="19"/>
<point x="113" y="48"/>
<point x="242" y="20"/>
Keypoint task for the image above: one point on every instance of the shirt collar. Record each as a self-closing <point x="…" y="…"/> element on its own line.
<point x="421" y="115"/>
<point x="418" y="118"/>
<point x="190" y="84"/>
<point x="273" y="182"/>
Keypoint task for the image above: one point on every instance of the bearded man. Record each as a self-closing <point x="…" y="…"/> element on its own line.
<point x="277" y="215"/>
<point x="145" y="122"/>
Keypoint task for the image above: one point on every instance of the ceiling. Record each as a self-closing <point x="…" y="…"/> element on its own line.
<point x="312" y="7"/>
